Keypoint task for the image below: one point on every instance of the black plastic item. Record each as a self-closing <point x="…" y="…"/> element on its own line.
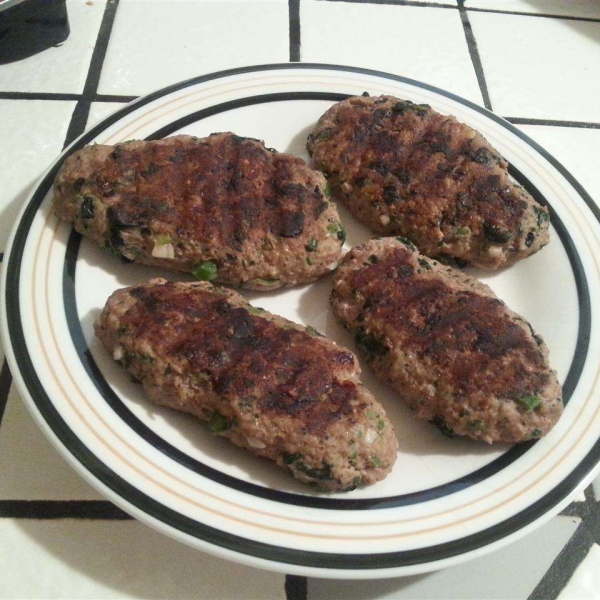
<point x="30" y="26"/>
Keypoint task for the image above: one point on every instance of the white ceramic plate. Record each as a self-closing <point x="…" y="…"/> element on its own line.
<point x="445" y="501"/>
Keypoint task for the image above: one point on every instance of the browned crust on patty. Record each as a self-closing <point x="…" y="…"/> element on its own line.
<point x="450" y="348"/>
<point x="283" y="391"/>
<point x="403" y="168"/>
<point x="259" y="216"/>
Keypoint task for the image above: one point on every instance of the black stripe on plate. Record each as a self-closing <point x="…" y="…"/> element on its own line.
<point x="119" y="407"/>
<point x="132" y="497"/>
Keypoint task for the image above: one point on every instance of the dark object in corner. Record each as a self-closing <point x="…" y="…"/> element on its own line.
<point x="30" y="26"/>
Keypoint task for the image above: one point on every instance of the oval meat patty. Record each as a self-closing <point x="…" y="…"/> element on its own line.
<point x="403" y="168"/>
<point x="223" y="208"/>
<point x="280" y="390"/>
<point x="450" y="348"/>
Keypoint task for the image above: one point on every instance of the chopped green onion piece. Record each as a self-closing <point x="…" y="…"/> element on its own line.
<point x="312" y="331"/>
<point x="337" y="230"/>
<point x="376" y="461"/>
<point x="267" y="282"/>
<point x="205" y="271"/>
<point x="542" y="215"/>
<point x="444" y="429"/>
<point x="407" y="243"/>
<point x="529" y="403"/>
<point x="162" y="240"/>
<point x="309" y="261"/>
<point x="462" y="231"/>
<point x="476" y="425"/>
<point x="218" y="423"/>
<point x="255" y="310"/>
<point x="327" y="191"/>
<point x="288" y="459"/>
<point x="311" y="246"/>
<point x="496" y="234"/>
<point x="380" y="424"/>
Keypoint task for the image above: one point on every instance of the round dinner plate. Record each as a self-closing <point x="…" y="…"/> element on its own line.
<point x="445" y="500"/>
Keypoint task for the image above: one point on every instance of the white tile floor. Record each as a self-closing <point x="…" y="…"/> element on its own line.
<point x="393" y="39"/>
<point x="154" y="44"/>
<point x="97" y="560"/>
<point x="34" y="130"/>
<point x="457" y="583"/>
<point x="575" y="148"/>
<point x="36" y="471"/>
<point x="63" y="69"/>
<point x="547" y="67"/>
<point x="99" y="110"/>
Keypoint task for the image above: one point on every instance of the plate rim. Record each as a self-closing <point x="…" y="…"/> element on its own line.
<point x="22" y="369"/>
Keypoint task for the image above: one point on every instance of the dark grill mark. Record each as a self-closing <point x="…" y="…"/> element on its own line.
<point x="245" y="355"/>
<point x="466" y="335"/>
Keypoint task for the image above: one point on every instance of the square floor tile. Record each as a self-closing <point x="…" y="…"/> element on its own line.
<point x="571" y="8"/>
<point x="506" y="573"/>
<point x="543" y="68"/>
<point x="34" y="131"/>
<point x="30" y="467"/>
<point x="99" y="110"/>
<point x="576" y="149"/>
<point x="82" y="560"/>
<point x="396" y="39"/>
<point x="63" y="68"/>
<point x="154" y="44"/>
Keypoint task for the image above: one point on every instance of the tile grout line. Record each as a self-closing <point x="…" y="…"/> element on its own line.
<point x="38" y="96"/>
<point x="576" y="549"/>
<point x="528" y="14"/>
<point x="496" y="11"/>
<point x="62" y="509"/>
<point x="64" y="97"/>
<point x="474" y="54"/>
<point x="5" y="385"/>
<point x="294" y="18"/>
<point x="564" y="565"/>
<point x="553" y="123"/>
<point x="296" y="587"/>
<point x="82" y="108"/>
<point x="117" y="98"/>
<point x="113" y="98"/>
<point x="399" y="3"/>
